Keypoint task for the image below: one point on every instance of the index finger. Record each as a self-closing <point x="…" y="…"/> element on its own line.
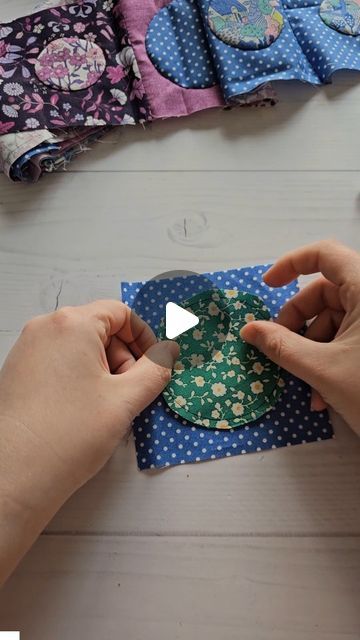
<point x="116" y="318"/>
<point x="335" y="261"/>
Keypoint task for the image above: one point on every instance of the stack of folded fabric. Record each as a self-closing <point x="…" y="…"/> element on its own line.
<point x="75" y="69"/>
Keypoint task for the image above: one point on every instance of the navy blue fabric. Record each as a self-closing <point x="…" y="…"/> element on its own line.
<point x="17" y="168"/>
<point x="163" y="439"/>
<point x="307" y="49"/>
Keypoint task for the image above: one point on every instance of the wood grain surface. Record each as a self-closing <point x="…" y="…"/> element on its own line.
<point x="258" y="547"/>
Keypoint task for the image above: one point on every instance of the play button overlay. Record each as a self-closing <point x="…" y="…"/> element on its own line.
<point x="160" y="301"/>
<point x="178" y="320"/>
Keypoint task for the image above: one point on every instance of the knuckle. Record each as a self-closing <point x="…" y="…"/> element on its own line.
<point x="164" y="375"/>
<point x="350" y="293"/>
<point x="330" y="244"/>
<point x="276" y="348"/>
<point x="64" y="317"/>
<point x="31" y="326"/>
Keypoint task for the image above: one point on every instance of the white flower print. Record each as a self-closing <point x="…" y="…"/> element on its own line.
<point x="213" y="309"/>
<point x="221" y="337"/>
<point x="197" y="334"/>
<point x="257" y="387"/>
<point x="179" y="366"/>
<point x="258" y="368"/>
<point x="13" y="89"/>
<point x="5" y="31"/>
<point x="231" y="293"/>
<point x="249" y="317"/>
<point x="127" y="60"/>
<point x="91" y="37"/>
<point x="240" y="395"/>
<point x="235" y="360"/>
<point x="180" y="401"/>
<point x="196" y="359"/>
<point x="9" y="111"/>
<point x="238" y="305"/>
<point x="120" y="96"/>
<point x="128" y="119"/>
<point x="108" y="5"/>
<point x="215" y="414"/>
<point x="222" y="424"/>
<point x="237" y="409"/>
<point x="281" y="383"/>
<point x="218" y="389"/>
<point x="94" y="122"/>
<point x="218" y="356"/>
<point x="230" y="337"/>
<point x="231" y="373"/>
<point x="32" y="123"/>
<point x="38" y="28"/>
<point x="199" y="381"/>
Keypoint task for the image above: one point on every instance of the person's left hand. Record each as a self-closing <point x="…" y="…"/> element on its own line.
<point x="69" y="391"/>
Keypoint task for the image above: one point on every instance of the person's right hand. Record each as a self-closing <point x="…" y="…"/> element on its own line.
<point x="328" y="357"/>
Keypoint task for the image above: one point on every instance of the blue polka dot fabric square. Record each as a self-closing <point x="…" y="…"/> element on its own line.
<point x="302" y="48"/>
<point x="243" y="44"/>
<point x="164" y="439"/>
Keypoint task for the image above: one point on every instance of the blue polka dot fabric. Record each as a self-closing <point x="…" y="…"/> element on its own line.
<point x="177" y="46"/>
<point x="163" y="439"/>
<point x="307" y="49"/>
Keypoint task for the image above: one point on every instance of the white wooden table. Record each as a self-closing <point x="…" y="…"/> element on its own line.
<point x="260" y="547"/>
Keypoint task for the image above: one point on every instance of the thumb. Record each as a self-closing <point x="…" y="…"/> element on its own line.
<point x="300" y="356"/>
<point x="149" y="376"/>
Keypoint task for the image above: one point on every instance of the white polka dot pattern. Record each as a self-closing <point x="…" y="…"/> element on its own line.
<point x="176" y="44"/>
<point x="307" y="50"/>
<point x="163" y="439"/>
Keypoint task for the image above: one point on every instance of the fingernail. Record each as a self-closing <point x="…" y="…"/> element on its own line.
<point x="248" y="333"/>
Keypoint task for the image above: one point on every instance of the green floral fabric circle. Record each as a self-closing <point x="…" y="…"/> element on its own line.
<point x="219" y="381"/>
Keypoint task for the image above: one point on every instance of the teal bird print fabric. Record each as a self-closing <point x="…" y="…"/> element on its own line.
<point x="342" y="15"/>
<point x="247" y="24"/>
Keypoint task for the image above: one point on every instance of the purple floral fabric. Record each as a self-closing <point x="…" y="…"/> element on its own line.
<point x="68" y="66"/>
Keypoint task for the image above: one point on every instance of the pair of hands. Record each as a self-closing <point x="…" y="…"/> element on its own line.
<point x="74" y="381"/>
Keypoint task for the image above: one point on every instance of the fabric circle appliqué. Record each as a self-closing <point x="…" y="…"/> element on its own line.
<point x="342" y="15"/>
<point x="70" y="64"/>
<point x="246" y="24"/>
<point x="220" y="381"/>
<point x="176" y="45"/>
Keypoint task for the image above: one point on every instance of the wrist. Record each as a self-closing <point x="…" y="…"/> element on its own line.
<point x="32" y="489"/>
<point x="31" y="472"/>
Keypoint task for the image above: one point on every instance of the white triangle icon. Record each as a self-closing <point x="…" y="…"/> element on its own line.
<point x="178" y="320"/>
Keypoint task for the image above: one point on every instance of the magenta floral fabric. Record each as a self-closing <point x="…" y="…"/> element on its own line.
<point x="69" y="66"/>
